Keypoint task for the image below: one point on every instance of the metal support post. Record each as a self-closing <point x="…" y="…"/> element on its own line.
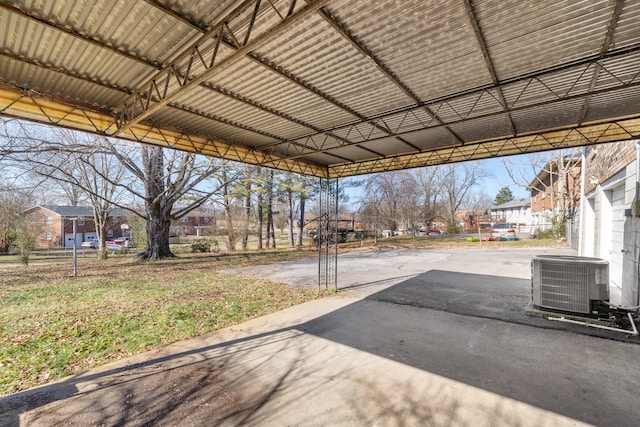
<point x="328" y="234"/>
<point x="75" y="250"/>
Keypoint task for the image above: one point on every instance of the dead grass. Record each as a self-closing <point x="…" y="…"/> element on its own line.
<point x="53" y="325"/>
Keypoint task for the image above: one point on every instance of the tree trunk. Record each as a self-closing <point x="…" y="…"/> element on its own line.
<point x="158" y="238"/>
<point x="101" y="231"/>
<point x="231" y="235"/>
<point x="157" y="208"/>
<point x="247" y="212"/>
<point x="260" y="220"/>
<point x="271" y="234"/>
<point x="290" y="219"/>
<point x="302" y="206"/>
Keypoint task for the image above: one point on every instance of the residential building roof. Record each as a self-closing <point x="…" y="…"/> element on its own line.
<point x="78" y="211"/>
<point x="552" y="167"/>
<point x="518" y="203"/>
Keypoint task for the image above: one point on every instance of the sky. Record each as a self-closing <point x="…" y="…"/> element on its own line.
<point x="500" y="177"/>
<point x="497" y="179"/>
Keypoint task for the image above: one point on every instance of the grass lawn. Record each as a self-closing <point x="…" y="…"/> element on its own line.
<point x="53" y="325"/>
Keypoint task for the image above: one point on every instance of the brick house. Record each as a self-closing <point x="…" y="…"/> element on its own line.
<point x="610" y="215"/>
<point x="55" y="225"/>
<point x="195" y="223"/>
<point x="544" y="188"/>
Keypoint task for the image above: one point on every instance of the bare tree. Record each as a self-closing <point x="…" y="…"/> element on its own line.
<point x="271" y="235"/>
<point x="169" y="176"/>
<point x="427" y="179"/>
<point x="402" y="199"/>
<point x="550" y="175"/>
<point x="456" y="182"/>
<point x="26" y="235"/>
<point x="97" y="174"/>
<point x="78" y="164"/>
<point x="259" y="191"/>
<point x="384" y="190"/>
<point x="160" y="178"/>
<point x="12" y="203"/>
<point x="370" y="211"/>
<point x="479" y="203"/>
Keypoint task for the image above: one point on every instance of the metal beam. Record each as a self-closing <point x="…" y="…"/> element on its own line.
<point x="475" y="24"/>
<point x="141" y="60"/>
<point x="282" y="141"/>
<point x="360" y="47"/>
<point x="613" y="131"/>
<point x="166" y="86"/>
<point x="410" y="110"/>
<point x="606" y="44"/>
<point x="201" y="28"/>
<point x="289" y="77"/>
<point x="50" y="110"/>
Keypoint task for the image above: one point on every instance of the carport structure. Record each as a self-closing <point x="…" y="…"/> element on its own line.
<point x="329" y="88"/>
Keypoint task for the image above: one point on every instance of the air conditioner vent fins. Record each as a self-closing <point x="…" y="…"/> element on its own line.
<point x="569" y="283"/>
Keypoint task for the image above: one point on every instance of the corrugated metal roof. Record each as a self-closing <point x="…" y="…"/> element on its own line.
<point x="328" y="87"/>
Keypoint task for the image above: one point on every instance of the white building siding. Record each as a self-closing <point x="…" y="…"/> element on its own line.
<point x="631" y="242"/>
<point x="616" y="238"/>
<point x="612" y="232"/>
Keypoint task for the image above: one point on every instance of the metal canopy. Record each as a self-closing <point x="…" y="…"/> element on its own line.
<point x="330" y="88"/>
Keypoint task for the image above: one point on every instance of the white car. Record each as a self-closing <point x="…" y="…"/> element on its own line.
<point x="91" y="243"/>
<point x="503" y="231"/>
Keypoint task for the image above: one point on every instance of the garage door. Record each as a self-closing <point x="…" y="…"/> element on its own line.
<point x="68" y="240"/>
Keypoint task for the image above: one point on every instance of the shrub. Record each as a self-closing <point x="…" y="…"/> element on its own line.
<point x="205" y="245"/>
<point x="452" y="228"/>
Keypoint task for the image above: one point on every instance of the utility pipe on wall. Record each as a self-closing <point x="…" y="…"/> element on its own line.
<point x="583" y="200"/>
<point x="636" y="212"/>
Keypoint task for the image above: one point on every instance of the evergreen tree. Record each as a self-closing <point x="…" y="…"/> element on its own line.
<point x="504" y="195"/>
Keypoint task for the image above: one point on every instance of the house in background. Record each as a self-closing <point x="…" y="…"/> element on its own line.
<point x="195" y="223"/>
<point x="610" y="215"/>
<point x="518" y="212"/>
<point x="55" y="225"/>
<point x="555" y="189"/>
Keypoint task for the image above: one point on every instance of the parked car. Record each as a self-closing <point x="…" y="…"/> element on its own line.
<point x="503" y="231"/>
<point x="90" y="243"/>
<point x="122" y="241"/>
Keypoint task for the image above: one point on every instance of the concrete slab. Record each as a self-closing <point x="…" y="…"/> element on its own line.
<point x="364" y="357"/>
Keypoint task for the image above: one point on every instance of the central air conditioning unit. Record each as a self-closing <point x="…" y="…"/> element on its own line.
<point x="569" y="283"/>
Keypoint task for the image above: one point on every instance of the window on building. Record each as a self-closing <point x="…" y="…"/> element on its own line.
<point x="80" y="221"/>
<point x="47" y="235"/>
<point x="47" y="219"/>
<point x="184" y="219"/>
<point x="109" y="233"/>
<point x="206" y="219"/>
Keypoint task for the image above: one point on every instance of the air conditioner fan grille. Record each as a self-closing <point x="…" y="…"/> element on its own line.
<point x="565" y="286"/>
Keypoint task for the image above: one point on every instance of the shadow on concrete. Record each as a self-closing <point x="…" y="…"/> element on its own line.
<point x="208" y="386"/>
<point x="253" y="380"/>
<point x="479" y="348"/>
<point x="145" y="393"/>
